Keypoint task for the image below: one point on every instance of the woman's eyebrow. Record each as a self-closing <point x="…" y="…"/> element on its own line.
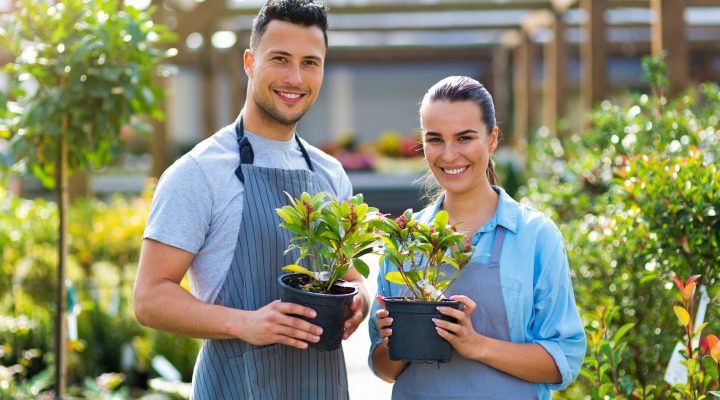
<point x="466" y="131"/>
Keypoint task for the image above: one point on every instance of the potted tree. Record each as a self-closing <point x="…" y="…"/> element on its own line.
<point x="80" y="71"/>
<point x="428" y="260"/>
<point x="329" y="238"/>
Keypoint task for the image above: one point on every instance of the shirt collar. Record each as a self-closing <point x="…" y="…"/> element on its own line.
<point x="507" y="213"/>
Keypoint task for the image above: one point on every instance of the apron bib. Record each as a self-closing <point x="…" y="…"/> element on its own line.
<point x="232" y="368"/>
<point x="426" y="381"/>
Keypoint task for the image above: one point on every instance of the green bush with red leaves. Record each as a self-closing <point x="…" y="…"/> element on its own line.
<point x="637" y="197"/>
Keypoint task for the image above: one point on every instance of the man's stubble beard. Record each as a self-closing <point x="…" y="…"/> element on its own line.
<point x="271" y="116"/>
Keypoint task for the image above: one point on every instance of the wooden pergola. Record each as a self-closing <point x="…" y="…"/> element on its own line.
<point x="512" y="52"/>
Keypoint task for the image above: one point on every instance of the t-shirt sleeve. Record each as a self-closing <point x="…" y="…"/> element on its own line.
<point x="345" y="189"/>
<point x="181" y="207"/>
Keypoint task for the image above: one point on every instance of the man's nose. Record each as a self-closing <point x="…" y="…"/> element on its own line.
<point x="293" y="76"/>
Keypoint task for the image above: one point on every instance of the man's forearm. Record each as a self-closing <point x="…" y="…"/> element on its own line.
<point x="171" y="308"/>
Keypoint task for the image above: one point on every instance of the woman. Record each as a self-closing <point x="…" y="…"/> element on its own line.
<point x="519" y="335"/>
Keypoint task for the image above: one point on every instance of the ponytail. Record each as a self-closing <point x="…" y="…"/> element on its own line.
<point x="491" y="174"/>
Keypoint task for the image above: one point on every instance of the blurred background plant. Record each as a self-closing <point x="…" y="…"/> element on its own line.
<point x="104" y="251"/>
<point x="637" y="197"/>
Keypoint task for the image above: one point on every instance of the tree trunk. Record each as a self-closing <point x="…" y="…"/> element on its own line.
<point x="61" y="300"/>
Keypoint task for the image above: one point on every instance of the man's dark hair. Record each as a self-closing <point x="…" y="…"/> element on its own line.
<point x="299" y="12"/>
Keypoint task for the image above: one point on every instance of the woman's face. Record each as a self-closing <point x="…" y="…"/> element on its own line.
<point x="457" y="145"/>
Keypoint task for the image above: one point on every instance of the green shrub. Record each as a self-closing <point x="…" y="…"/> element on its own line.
<point x="104" y="251"/>
<point x="637" y="199"/>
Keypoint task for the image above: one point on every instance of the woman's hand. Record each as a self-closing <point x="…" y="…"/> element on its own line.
<point x="383" y="322"/>
<point x="461" y="335"/>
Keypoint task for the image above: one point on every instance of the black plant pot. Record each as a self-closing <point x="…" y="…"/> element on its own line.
<point x="414" y="337"/>
<point x="332" y="309"/>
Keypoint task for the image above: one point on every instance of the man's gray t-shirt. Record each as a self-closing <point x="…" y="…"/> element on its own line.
<point x="198" y="203"/>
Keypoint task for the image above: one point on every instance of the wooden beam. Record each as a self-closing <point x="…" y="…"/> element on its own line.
<point x="669" y="37"/>
<point x="238" y="79"/>
<point x="207" y="87"/>
<point x="500" y="87"/>
<point x="522" y="92"/>
<point x="202" y="18"/>
<point x="593" y="54"/>
<point x="702" y="3"/>
<point x="407" y="54"/>
<point x="556" y="67"/>
<point x="416" y="28"/>
<point x="411" y="7"/>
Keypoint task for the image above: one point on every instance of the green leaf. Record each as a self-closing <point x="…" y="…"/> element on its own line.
<point x="441" y="219"/>
<point x="682" y="314"/>
<point x="395" y="277"/>
<point x="361" y="267"/>
<point x="621" y="332"/>
<point x="711" y="367"/>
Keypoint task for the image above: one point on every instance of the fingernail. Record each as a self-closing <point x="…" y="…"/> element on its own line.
<point x="318" y="331"/>
<point x="440" y="308"/>
<point x="316" y="338"/>
<point x="313" y="314"/>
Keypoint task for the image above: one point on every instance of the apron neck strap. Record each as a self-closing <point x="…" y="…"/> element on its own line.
<point x="247" y="155"/>
<point x="497" y="244"/>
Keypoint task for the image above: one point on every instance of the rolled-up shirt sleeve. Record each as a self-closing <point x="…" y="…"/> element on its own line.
<point x="557" y="326"/>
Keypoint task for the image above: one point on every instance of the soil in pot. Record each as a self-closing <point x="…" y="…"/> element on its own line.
<point x="332" y="309"/>
<point x="414" y="337"/>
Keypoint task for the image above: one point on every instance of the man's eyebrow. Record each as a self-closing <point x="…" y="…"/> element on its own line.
<point x="287" y="54"/>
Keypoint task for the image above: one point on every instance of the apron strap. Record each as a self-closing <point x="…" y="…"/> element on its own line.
<point x="497" y="244"/>
<point x="247" y="156"/>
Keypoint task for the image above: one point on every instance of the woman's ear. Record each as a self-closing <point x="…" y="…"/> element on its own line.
<point x="248" y="59"/>
<point x="494" y="139"/>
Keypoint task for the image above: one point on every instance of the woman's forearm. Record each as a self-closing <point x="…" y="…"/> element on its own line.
<point x="385" y="368"/>
<point x="527" y="361"/>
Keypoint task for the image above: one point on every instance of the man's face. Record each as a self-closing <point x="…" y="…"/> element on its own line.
<point x="285" y="71"/>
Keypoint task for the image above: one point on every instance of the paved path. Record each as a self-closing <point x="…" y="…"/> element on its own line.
<point x="363" y="384"/>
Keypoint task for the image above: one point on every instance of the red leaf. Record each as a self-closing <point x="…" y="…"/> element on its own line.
<point x="679" y="283"/>
<point x="692" y="279"/>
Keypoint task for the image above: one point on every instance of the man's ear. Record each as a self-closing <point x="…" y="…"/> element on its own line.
<point x="248" y="59"/>
<point x="494" y="139"/>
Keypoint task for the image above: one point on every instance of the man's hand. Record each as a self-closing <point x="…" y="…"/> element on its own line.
<point x="357" y="314"/>
<point x="274" y="323"/>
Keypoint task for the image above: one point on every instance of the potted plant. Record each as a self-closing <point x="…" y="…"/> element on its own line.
<point x="429" y="259"/>
<point x="329" y="237"/>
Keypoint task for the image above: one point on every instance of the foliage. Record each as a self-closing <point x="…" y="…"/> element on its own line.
<point x="606" y="352"/>
<point x="104" y="251"/>
<point x="82" y="69"/>
<point x="419" y="252"/>
<point x="636" y="197"/>
<point x="330" y="235"/>
<point x="701" y="373"/>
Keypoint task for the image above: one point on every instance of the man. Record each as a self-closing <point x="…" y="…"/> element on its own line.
<point x="213" y="215"/>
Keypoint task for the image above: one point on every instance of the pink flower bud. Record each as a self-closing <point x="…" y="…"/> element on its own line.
<point x="401" y="221"/>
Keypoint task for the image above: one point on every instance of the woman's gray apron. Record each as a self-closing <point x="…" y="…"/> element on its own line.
<point x="234" y="369"/>
<point x="462" y="378"/>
